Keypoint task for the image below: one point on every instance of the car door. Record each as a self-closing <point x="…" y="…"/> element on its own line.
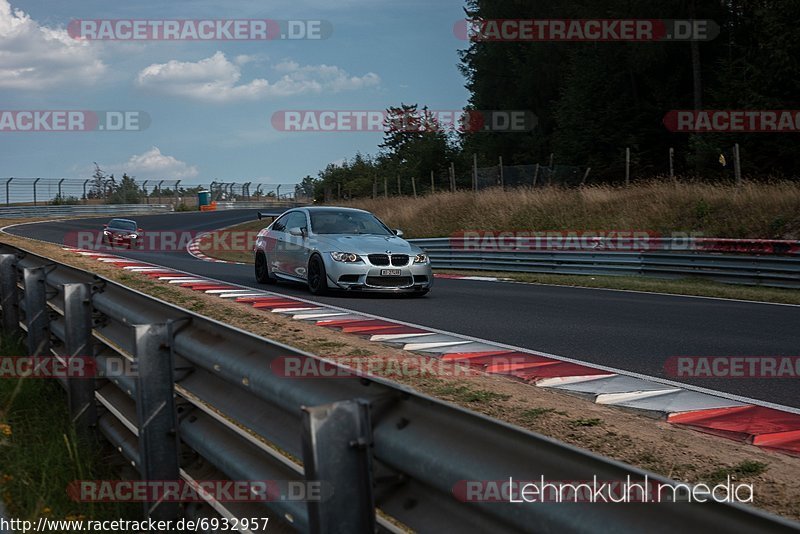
<point x="296" y="251"/>
<point x="276" y="245"/>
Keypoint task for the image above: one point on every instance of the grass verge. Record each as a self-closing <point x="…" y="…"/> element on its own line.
<point x="40" y="453"/>
<point x="686" y="286"/>
<point x="234" y="243"/>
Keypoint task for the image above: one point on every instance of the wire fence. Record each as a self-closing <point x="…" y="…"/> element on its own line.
<point x="407" y="180"/>
<point x="476" y="179"/>
<point x="66" y="191"/>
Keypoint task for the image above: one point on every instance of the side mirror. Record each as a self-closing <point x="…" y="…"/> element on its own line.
<point x="398" y="232"/>
<point x="297" y="232"/>
<point x="139" y="230"/>
<point x="105" y="226"/>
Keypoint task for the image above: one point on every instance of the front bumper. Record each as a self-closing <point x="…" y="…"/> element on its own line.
<point x="413" y="278"/>
<point x="120" y="240"/>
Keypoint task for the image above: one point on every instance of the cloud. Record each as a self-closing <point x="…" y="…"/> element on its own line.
<point x="153" y="165"/>
<point x="215" y="79"/>
<point x="34" y="57"/>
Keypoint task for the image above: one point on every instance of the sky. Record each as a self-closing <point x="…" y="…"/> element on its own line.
<point x="210" y="103"/>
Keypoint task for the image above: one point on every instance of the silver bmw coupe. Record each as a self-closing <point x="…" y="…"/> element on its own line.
<point x="340" y="248"/>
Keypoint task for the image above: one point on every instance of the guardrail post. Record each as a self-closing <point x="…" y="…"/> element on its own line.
<point x="9" y="294"/>
<point x="78" y="342"/>
<point x="155" y="408"/>
<point x="337" y="442"/>
<point x="37" y="318"/>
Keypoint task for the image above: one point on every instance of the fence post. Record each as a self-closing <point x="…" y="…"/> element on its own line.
<point x="586" y="175"/>
<point x="535" y="175"/>
<point x="433" y="184"/>
<point x="37" y="318"/>
<point x="36" y="181"/>
<point x="475" y="172"/>
<point x="155" y="409"/>
<point x="337" y="441"/>
<point x="60" y="197"/>
<point x="672" y="163"/>
<point x="399" y="192"/>
<point x="552" y="169"/>
<point x="627" y="166"/>
<point x="374" y="187"/>
<point x="78" y="343"/>
<point x="452" y="177"/>
<point x="9" y="294"/>
<point x="414" y="186"/>
<point x="385" y="187"/>
<point x="737" y="164"/>
<point x="502" y="180"/>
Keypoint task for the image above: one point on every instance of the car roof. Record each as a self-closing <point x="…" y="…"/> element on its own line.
<point x="317" y="209"/>
<point x="117" y="219"/>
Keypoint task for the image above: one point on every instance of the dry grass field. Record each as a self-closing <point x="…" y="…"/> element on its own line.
<point x="753" y="210"/>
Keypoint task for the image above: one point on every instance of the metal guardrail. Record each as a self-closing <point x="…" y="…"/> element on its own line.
<point x="21" y="212"/>
<point x="776" y="263"/>
<point x="205" y="405"/>
<point x="257" y="205"/>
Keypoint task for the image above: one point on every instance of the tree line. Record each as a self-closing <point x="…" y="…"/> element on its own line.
<point x="595" y="99"/>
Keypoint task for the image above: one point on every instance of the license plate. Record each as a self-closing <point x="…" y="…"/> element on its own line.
<point x="390" y="272"/>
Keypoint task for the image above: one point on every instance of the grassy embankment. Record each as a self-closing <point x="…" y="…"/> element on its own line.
<point x="40" y="453"/>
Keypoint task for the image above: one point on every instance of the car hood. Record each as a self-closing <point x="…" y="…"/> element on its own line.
<point x="366" y="244"/>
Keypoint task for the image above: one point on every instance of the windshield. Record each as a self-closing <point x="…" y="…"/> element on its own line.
<point x="347" y="222"/>
<point x="122" y="225"/>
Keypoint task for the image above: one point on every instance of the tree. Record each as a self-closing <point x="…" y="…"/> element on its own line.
<point x="126" y="191"/>
<point x="98" y="180"/>
<point x="305" y="189"/>
<point x="415" y="143"/>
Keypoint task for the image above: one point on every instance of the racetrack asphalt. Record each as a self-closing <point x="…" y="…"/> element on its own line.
<point x="631" y="331"/>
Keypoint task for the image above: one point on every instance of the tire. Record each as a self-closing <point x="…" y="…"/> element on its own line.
<point x="262" y="270"/>
<point x="317" y="277"/>
<point x="418" y="294"/>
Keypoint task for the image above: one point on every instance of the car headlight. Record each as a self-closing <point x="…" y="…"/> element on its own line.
<point x="346" y="257"/>
<point x="106" y="232"/>
<point x="421" y="258"/>
<point x="134" y="236"/>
